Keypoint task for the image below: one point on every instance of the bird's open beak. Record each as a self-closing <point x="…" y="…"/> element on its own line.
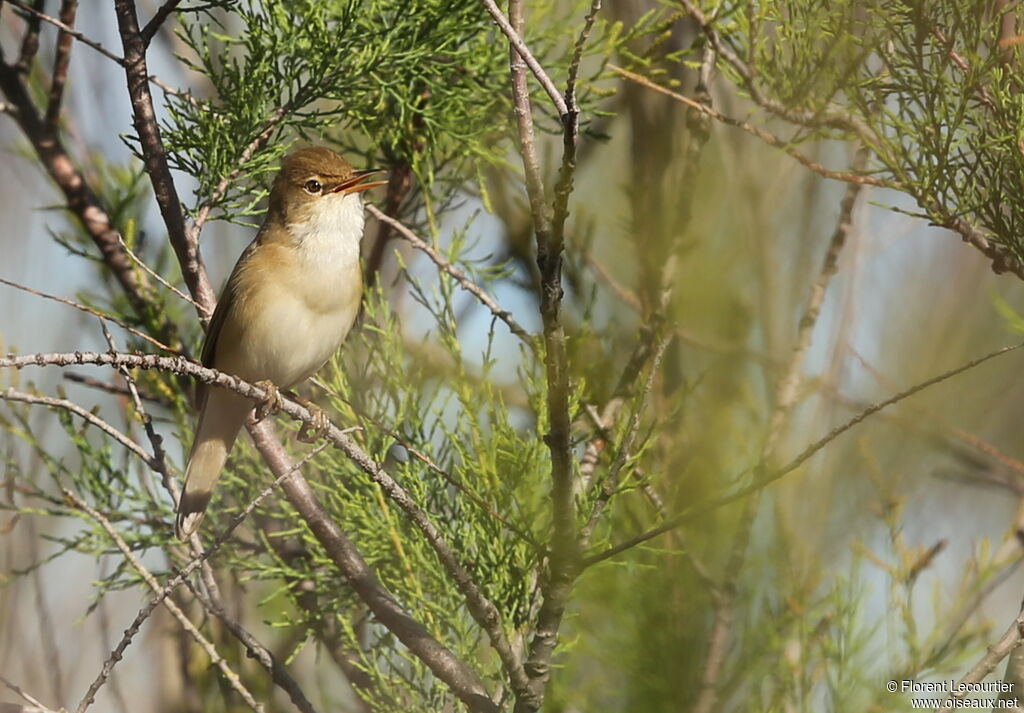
<point x="356" y="184"/>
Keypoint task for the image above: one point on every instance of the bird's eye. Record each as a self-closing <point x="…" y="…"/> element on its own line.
<point x="313" y="186"/>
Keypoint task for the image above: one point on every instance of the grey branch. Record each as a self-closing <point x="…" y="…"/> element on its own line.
<point x="155" y="157"/>
<point x="232" y="678"/>
<point x="485" y="299"/>
<point x="71" y="32"/>
<point x="520" y="46"/>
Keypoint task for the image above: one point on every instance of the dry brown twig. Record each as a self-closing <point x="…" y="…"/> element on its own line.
<point x="445" y="266"/>
<point x="229" y="674"/>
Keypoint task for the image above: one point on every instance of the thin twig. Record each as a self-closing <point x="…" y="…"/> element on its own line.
<point x="10" y="394"/>
<point x="577" y="54"/>
<point x="232" y="678"/>
<point x="27" y="696"/>
<point x="611" y="481"/>
<point x="517" y="43"/>
<point x="156" y="276"/>
<point x="485" y="299"/>
<point x="766" y="137"/>
<point x="158" y="19"/>
<point x="61" y="63"/>
<point x="96" y="313"/>
<point x="166" y="88"/>
<point x="115" y="389"/>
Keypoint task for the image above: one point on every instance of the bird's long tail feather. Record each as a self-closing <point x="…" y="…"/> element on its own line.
<point x="220" y="421"/>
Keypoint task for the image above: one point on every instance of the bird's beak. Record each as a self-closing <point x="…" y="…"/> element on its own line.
<point x="355" y="184"/>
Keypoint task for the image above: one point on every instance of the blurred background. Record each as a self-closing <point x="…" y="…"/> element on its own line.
<point x="891" y="553"/>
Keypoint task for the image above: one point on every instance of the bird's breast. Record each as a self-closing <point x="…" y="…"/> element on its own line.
<point x="295" y="306"/>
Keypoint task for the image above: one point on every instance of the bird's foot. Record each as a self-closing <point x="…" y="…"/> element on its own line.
<point x="319" y="426"/>
<point x="269" y="404"/>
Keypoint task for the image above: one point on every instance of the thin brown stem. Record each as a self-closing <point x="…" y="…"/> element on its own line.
<point x="514" y="34"/>
<point x="61" y="64"/>
<point x="485" y="299"/>
<point x="229" y="674"/>
<point x="155" y="157"/>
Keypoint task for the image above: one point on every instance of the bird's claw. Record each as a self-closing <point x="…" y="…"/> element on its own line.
<point x="318" y="427"/>
<point x="269" y="404"/>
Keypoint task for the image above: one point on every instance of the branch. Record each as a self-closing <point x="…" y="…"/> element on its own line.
<point x="768" y="138"/>
<point x="70" y="31"/>
<point x="563" y="562"/>
<point x="158" y="19"/>
<point x="61" y="63"/>
<point x="462" y="680"/>
<point x="29" y="698"/>
<point x="96" y="313"/>
<point x="156" y="275"/>
<point x="10" y="394"/>
<point x="520" y="47"/>
<point x="155" y="157"/>
<point x="485" y="299"/>
<point x="232" y="678"/>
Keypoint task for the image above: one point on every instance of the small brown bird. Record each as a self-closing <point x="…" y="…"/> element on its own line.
<point x="287" y="306"/>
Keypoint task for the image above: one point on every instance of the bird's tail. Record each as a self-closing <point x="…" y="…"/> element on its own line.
<point x="220" y="421"/>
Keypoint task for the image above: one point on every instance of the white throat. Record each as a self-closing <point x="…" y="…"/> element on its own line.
<point x="331" y="230"/>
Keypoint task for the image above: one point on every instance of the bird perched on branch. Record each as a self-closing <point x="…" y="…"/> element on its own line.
<point x="288" y="305"/>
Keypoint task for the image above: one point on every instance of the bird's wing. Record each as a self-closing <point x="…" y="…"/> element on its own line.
<point x="224" y="305"/>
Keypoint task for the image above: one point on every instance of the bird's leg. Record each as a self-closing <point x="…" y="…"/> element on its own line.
<point x="320" y="423"/>
<point x="271" y="403"/>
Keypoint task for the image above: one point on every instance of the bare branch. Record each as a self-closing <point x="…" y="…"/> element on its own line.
<point x="517" y="43"/>
<point x="563" y="561"/>
<point x="10" y="394"/>
<point x="61" y="63"/>
<point x="28" y="697"/>
<point x="155" y="157"/>
<point x="96" y="313"/>
<point x="232" y="678"/>
<point x="156" y="276"/>
<point x="485" y="299"/>
<point x="158" y="19"/>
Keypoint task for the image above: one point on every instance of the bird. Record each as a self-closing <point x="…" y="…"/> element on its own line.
<point x="286" y="308"/>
